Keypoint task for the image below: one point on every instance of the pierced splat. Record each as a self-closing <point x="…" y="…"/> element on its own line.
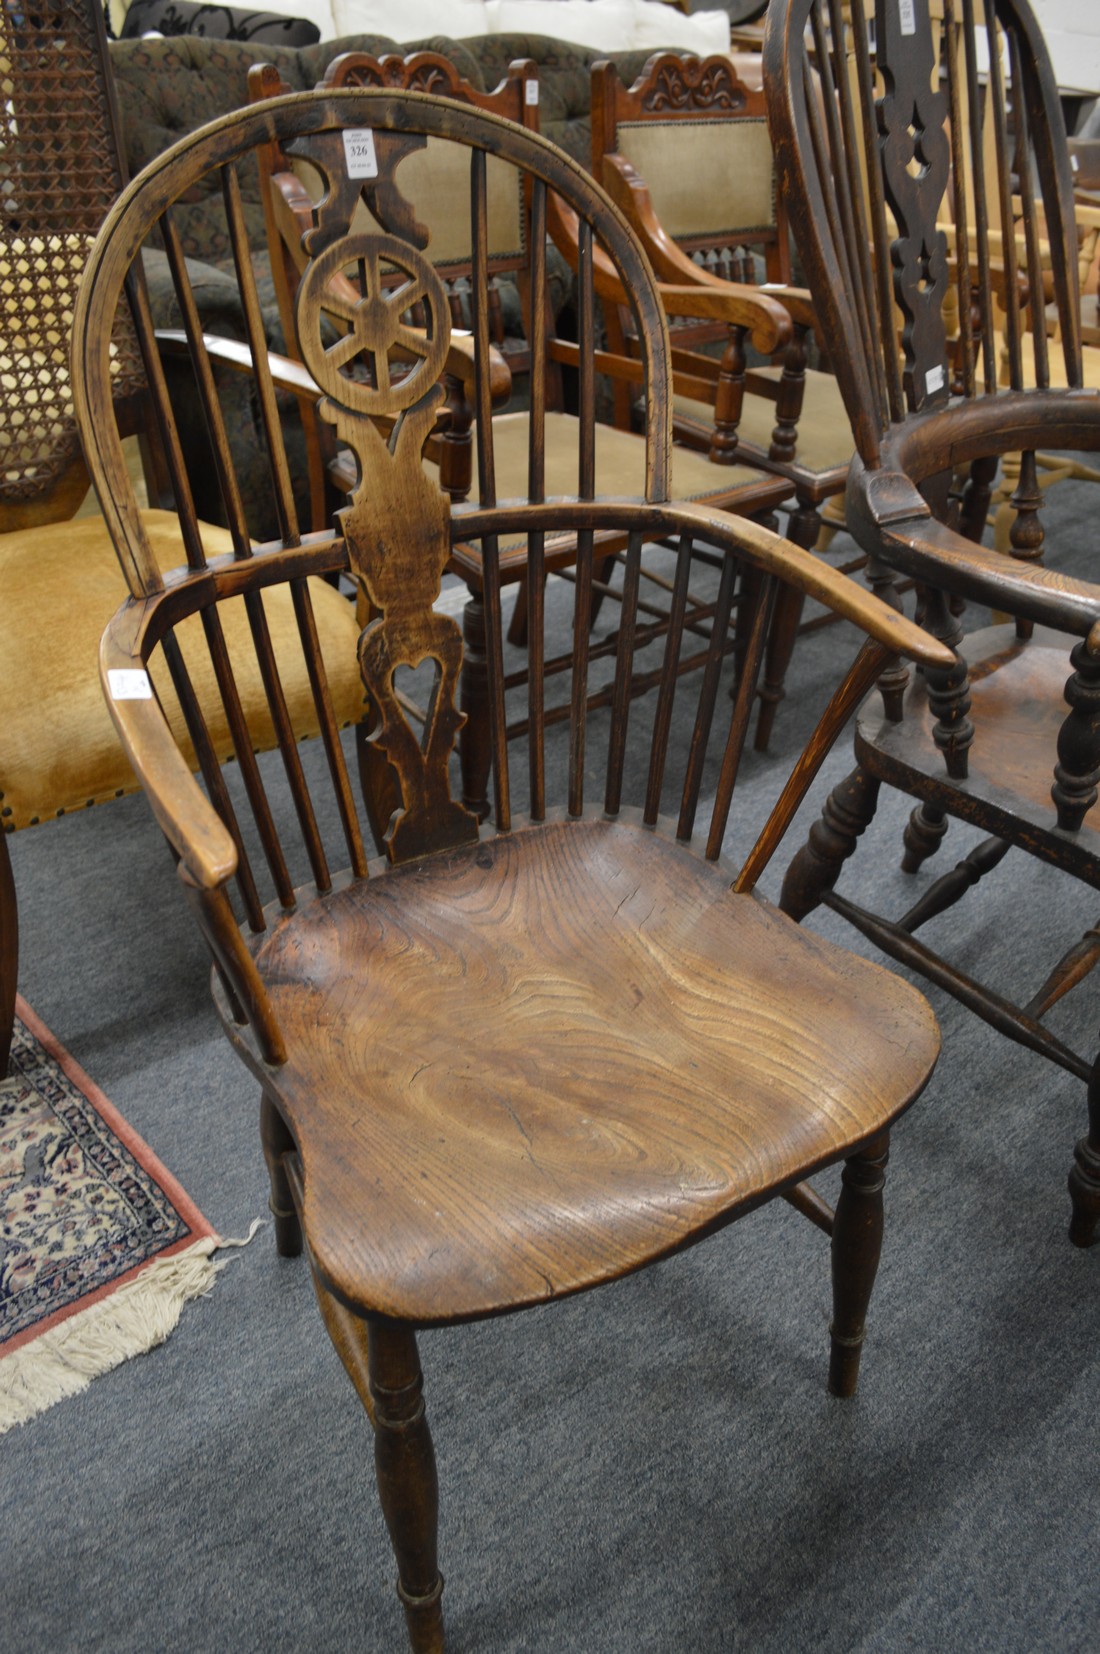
<point x="397" y="527"/>
<point x="916" y="156"/>
<point x="329" y="153"/>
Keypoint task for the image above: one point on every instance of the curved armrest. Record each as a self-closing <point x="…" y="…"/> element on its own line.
<point x="293" y="376"/>
<point x="724" y="532"/>
<point x="890" y="519"/>
<point x="682" y="285"/>
<point x="925" y="550"/>
<point x="189" y="821"/>
<point x="816" y="578"/>
<point x="796" y="301"/>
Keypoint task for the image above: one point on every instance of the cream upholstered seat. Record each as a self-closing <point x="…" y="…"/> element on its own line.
<point x="824" y="439"/>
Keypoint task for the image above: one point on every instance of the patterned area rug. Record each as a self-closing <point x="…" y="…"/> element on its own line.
<point x="100" y="1248"/>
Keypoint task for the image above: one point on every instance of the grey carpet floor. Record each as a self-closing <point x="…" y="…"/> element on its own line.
<point x="652" y="1467"/>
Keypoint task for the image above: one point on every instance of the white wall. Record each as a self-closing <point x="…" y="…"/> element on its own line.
<point x="1072" y="29"/>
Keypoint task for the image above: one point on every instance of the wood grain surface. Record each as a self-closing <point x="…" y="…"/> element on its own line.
<point x="535" y="1064"/>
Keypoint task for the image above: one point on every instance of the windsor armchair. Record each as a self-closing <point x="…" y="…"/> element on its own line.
<point x="685" y="151"/>
<point x="1007" y="739"/>
<point x="545" y="356"/>
<point x="60" y="170"/>
<point x="497" y="1065"/>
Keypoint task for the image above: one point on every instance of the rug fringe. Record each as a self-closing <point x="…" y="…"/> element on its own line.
<point x="129" y="1322"/>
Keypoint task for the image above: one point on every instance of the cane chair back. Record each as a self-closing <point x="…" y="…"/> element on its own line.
<point x="463" y="1111"/>
<point x="990" y="742"/>
<point x="60" y="171"/>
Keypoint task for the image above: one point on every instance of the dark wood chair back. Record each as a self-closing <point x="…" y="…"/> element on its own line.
<point x="929" y="178"/>
<point x="876" y="168"/>
<point x="696" y="134"/>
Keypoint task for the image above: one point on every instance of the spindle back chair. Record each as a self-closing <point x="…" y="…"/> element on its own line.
<point x="991" y="741"/>
<point x="619" y="454"/>
<point x="498" y="1065"/>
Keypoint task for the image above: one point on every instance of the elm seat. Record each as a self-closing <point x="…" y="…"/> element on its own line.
<point x="50" y="680"/>
<point x="461" y="1156"/>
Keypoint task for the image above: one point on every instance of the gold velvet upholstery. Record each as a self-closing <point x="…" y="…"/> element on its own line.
<point x="60" y="750"/>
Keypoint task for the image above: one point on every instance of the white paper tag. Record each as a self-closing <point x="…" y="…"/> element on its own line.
<point x="359" y="154"/>
<point x="1075" y="162"/>
<point x="128" y="683"/>
<point x="934" y="380"/>
<point x="531" y="91"/>
<point x="907" y="16"/>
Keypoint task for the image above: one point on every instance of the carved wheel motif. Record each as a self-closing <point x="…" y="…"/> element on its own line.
<point x="374" y="323"/>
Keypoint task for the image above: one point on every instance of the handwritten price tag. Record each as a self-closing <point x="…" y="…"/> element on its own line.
<point x="907" y="16"/>
<point x="359" y="154"/>
<point x="129" y="684"/>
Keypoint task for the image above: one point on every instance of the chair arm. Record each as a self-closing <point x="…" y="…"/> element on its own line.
<point x="768" y="320"/>
<point x="814" y="577"/>
<point x="711" y="526"/>
<point x="796" y="301"/>
<point x="737" y="305"/>
<point x="292" y="376"/>
<point x="889" y="519"/>
<point x="188" y="819"/>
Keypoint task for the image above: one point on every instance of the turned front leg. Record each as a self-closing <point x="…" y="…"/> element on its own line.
<point x="404" y="1462"/>
<point x="857" y="1243"/>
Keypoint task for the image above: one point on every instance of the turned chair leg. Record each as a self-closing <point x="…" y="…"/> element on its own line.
<point x="857" y="1242"/>
<point x="9" y="954"/>
<point x="924" y="833"/>
<point x="277" y="1143"/>
<point x="404" y="1462"/>
<point x="789" y="604"/>
<point x="848" y="812"/>
<point x="1084" y="1175"/>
